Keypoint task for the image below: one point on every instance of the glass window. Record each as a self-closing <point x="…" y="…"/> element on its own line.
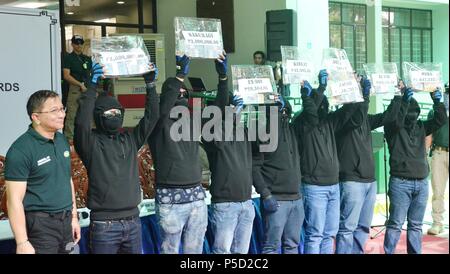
<point x="413" y="29"/>
<point x="400" y="17"/>
<point x="98" y="11"/>
<point x="147" y="10"/>
<point x="335" y="12"/>
<point x="386" y="44"/>
<point x="335" y="36"/>
<point x="348" y="15"/>
<point x="426" y="46"/>
<point x="421" y="18"/>
<point x="348" y="31"/>
<point x="417" y="45"/>
<point x="360" y="14"/>
<point x="360" y="47"/>
<point x="406" y="44"/>
<point x="385" y="17"/>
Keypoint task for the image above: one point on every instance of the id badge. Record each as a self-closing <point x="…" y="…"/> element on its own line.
<point x="85" y="65"/>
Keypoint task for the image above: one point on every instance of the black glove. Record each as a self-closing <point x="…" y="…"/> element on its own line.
<point x="436" y="96"/>
<point x="270" y="204"/>
<point x="151" y="76"/>
<point x="182" y="66"/>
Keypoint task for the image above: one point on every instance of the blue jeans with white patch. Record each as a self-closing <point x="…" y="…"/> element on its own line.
<point x="232" y="224"/>
<point x="184" y="223"/>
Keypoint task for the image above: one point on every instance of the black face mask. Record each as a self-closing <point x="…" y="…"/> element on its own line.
<point x="182" y="101"/>
<point x="112" y="125"/>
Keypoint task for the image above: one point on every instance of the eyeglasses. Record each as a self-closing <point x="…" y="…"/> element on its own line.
<point x="53" y="111"/>
<point x="112" y="113"/>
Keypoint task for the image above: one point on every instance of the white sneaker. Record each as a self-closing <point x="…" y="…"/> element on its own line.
<point x="435" y="230"/>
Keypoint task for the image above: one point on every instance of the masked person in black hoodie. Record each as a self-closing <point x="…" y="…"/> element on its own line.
<point x="277" y="178"/>
<point x="180" y="204"/>
<point x="315" y="129"/>
<point x="230" y="162"/>
<point x="408" y="184"/>
<point x="358" y="187"/>
<point x="110" y="157"/>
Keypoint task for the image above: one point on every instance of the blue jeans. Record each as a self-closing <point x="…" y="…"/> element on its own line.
<point x="182" y="223"/>
<point x="408" y="199"/>
<point x="357" y="203"/>
<point x="321" y="217"/>
<point x="232" y="224"/>
<point x="113" y="237"/>
<point x="283" y="228"/>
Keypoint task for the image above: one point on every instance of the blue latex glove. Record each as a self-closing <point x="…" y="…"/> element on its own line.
<point x="436" y="96"/>
<point x="183" y="63"/>
<point x="152" y="75"/>
<point x="96" y="73"/>
<point x="238" y="102"/>
<point x="366" y="86"/>
<point x="270" y="204"/>
<point x="323" y="77"/>
<point x="221" y="66"/>
<point x="407" y="94"/>
<point x="306" y="89"/>
<point x="281" y="103"/>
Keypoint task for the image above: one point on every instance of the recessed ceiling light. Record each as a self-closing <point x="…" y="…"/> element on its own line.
<point x="120" y="2"/>
<point x="70" y="12"/>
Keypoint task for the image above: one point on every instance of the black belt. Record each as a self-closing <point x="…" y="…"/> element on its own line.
<point x="57" y="215"/>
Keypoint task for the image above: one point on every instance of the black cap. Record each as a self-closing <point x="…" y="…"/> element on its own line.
<point x="77" y="39"/>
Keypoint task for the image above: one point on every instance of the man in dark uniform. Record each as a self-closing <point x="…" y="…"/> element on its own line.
<point x="76" y="72"/>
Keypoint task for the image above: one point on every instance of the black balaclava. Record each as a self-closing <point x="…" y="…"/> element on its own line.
<point x="412" y="114"/>
<point x="109" y="126"/>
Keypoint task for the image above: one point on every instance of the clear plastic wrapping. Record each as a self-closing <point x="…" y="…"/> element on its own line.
<point x="121" y="55"/>
<point x="342" y="85"/>
<point x="198" y="37"/>
<point x="423" y="76"/>
<point x="297" y="65"/>
<point x="383" y="77"/>
<point x="255" y="84"/>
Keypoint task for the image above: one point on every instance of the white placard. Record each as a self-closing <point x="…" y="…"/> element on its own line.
<point x="254" y="85"/>
<point x="298" y="67"/>
<point x="201" y="38"/>
<point x="125" y="63"/>
<point x="425" y="80"/>
<point x="383" y="82"/>
<point x="344" y="87"/>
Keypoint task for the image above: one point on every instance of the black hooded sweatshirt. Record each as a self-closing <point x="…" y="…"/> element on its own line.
<point x="405" y="135"/>
<point x="230" y="162"/>
<point x="111" y="157"/>
<point x="315" y="129"/>
<point x="278" y="173"/>
<point x="354" y="145"/>
<point x="177" y="163"/>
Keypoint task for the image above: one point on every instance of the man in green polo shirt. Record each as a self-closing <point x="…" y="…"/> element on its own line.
<point x="40" y="195"/>
<point x="439" y="172"/>
<point x="76" y="72"/>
